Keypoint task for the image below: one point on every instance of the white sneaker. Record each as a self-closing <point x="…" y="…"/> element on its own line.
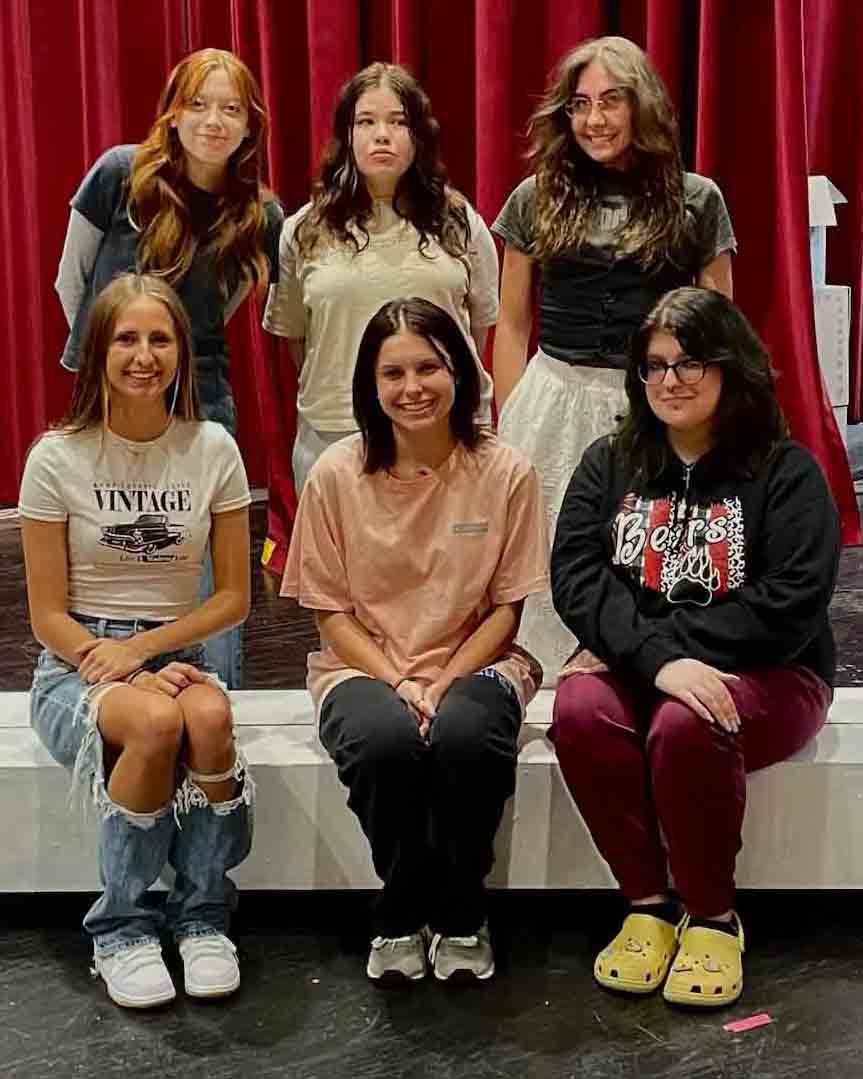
<point x="462" y="958"/>
<point x="136" y="977"/>
<point x="397" y="959"/>
<point x="210" y="965"/>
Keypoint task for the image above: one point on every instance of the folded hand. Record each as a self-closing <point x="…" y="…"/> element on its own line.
<point x="582" y="662"/>
<point x="105" y="659"/>
<point x="703" y="688"/>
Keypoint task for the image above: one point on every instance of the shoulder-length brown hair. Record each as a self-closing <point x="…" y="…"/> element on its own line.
<point x="748" y="424"/>
<point x="341" y="205"/>
<point x="439" y="329"/>
<point x="90" y="399"/>
<point x="157" y="201"/>
<point x="568" y="183"/>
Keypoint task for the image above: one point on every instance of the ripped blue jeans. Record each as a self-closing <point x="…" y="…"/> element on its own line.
<point x="199" y="840"/>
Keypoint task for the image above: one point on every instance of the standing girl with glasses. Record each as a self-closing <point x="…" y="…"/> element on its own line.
<point x="383" y="222"/>
<point x="188" y="205"/>
<point x="415" y="544"/>
<point x="117" y="506"/>
<point x="695" y="557"/>
<point x="611" y="222"/>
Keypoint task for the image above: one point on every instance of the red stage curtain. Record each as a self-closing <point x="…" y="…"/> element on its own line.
<point x="87" y="74"/>
<point x="834" y="88"/>
<point x="751" y="138"/>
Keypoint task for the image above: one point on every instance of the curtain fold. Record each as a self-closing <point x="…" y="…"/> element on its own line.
<point x="21" y="383"/>
<point x="834" y="89"/>
<point x="87" y="75"/>
<point x="751" y="138"/>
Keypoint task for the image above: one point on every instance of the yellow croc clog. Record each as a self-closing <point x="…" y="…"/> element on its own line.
<point x="708" y="970"/>
<point x="638" y="958"/>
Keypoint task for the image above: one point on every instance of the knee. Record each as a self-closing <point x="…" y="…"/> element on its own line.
<point x="455" y="738"/>
<point x="365" y="725"/>
<point x="676" y="728"/>
<point x="207" y="719"/>
<point x="159" y="730"/>
<point x="389" y="744"/>
<point x="475" y="724"/>
<point x="584" y="705"/>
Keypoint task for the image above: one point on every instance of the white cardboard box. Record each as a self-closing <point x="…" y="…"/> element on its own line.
<point x="832" y="333"/>
<point x="823" y="197"/>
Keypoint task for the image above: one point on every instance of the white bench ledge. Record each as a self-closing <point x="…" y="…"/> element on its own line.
<point x="803" y="819"/>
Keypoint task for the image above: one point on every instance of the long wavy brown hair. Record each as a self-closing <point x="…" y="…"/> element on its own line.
<point x="157" y="189"/>
<point x="569" y="184"/>
<point x="90" y="398"/>
<point x="341" y="205"/>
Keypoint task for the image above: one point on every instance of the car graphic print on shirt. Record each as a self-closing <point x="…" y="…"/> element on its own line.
<point x="148" y="534"/>
<point x="688" y="553"/>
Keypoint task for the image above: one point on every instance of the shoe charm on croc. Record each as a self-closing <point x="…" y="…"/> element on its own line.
<point x="638" y="958"/>
<point x="708" y="970"/>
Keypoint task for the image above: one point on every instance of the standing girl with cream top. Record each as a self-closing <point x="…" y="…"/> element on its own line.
<point x="415" y="544"/>
<point x="383" y="222"/>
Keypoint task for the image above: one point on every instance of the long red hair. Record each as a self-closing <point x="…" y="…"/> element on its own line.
<point x="156" y="201"/>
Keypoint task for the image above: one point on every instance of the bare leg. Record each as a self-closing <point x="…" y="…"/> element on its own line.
<point x="210" y="746"/>
<point x="143" y="731"/>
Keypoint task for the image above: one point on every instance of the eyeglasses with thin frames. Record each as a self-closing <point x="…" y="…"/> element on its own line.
<point x="581" y="105"/>
<point x="687" y="371"/>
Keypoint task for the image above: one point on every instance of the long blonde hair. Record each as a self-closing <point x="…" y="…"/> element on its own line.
<point x="157" y="204"/>
<point x="568" y="183"/>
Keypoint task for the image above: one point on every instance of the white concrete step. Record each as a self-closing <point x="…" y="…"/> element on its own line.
<point x="803" y="826"/>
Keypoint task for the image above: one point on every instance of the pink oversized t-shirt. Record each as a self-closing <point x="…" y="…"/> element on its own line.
<point x="419" y="562"/>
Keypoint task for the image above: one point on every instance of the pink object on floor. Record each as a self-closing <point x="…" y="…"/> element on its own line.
<point x="739" y="1025"/>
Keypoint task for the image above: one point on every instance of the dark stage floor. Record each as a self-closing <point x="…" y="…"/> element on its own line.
<point x="306" y="1010"/>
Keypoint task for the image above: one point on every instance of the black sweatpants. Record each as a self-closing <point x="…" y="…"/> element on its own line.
<point x="430" y="809"/>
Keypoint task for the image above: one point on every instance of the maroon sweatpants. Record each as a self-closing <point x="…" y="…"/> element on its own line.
<point x="645" y="767"/>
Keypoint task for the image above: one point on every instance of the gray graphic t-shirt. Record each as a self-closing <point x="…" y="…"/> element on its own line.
<point x="709" y="228"/>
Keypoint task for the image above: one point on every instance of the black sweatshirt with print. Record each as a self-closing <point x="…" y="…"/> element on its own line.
<point x="737" y="573"/>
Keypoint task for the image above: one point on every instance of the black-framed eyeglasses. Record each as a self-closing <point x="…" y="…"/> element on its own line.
<point x="611" y="100"/>
<point x="687" y="371"/>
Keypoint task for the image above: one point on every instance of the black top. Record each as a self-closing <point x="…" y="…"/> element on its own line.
<point x="594" y="298"/>
<point x="737" y="573"/>
<point x="102" y="199"/>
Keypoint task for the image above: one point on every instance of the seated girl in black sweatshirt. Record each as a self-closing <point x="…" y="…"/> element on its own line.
<point x="694" y="559"/>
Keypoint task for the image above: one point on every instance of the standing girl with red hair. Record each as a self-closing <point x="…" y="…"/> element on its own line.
<point x="188" y="205"/>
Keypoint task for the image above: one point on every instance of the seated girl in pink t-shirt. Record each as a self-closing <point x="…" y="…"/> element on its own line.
<point x="415" y="543"/>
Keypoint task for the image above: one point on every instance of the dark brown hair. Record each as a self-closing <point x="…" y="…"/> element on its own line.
<point x="341" y="205"/>
<point x="748" y="423"/>
<point x="568" y="182"/>
<point x="426" y="320"/>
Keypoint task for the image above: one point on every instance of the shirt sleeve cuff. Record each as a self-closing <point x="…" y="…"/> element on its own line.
<point x="653" y="654"/>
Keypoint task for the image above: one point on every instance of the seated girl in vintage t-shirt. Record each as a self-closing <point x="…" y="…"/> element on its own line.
<point x="117" y="505"/>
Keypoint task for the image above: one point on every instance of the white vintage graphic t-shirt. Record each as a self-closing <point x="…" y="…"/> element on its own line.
<point x="138" y="513"/>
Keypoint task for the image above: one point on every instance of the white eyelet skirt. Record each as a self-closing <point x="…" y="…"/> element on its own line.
<point x="552" y="415"/>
